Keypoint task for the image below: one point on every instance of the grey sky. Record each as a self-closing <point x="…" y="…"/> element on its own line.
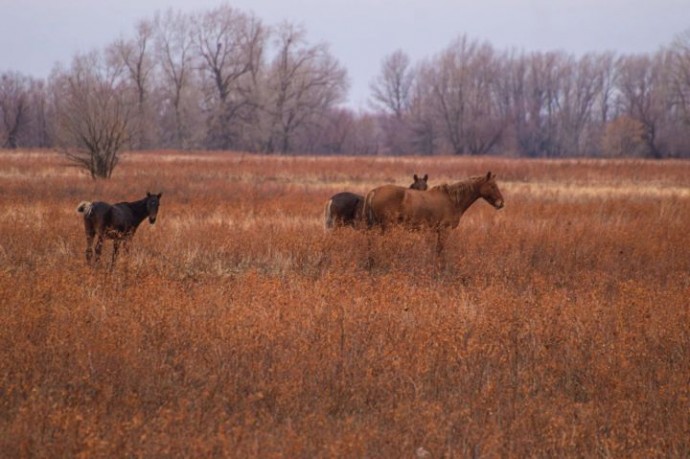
<point x="35" y="34"/>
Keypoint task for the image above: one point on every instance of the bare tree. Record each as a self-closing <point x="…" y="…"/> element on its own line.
<point x="14" y="108"/>
<point x="641" y="95"/>
<point x="580" y="85"/>
<point x="486" y="121"/>
<point x="463" y="82"/>
<point x="681" y="74"/>
<point x="557" y="105"/>
<point x="134" y="58"/>
<point x="303" y="83"/>
<point x="175" y="57"/>
<point x="604" y="108"/>
<point x="230" y="44"/>
<point x="391" y="88"/>
<point x="38" y="132"/>
<point x="392" y="98"/>
<point x="538" y="81"/>
<point x="424" y="134"/>
<point x="93" y="113"/>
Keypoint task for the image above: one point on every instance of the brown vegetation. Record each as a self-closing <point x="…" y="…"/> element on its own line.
<point x="237" y="327"/>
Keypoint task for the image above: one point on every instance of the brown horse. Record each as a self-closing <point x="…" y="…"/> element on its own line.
<point x="439" y="208"/>
<point x="345" y="209"/>
<point x="117" y="222"/>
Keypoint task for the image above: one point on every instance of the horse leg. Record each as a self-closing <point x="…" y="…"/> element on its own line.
<point x="98" y="248"/>
<point x="90" y="234"/>
<point x="440" y="241"/>
<point x="125" y="246"/>
<point x="116" y="247"/>
<point x="89" y="248"/>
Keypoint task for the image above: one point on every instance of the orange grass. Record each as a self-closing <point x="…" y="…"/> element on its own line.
<point x="556" y="327"/>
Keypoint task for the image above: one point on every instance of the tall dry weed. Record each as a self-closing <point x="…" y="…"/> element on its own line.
<point x="558" y="326"/>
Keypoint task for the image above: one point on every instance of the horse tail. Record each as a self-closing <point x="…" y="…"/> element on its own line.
<point x="328" y="220"/>
<point x="84" y="207"/>
<point x="368" y="210"/>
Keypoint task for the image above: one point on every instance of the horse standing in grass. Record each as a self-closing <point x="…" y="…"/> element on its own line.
<point x="438" y="208"/>
<point x="345" y="209"/>
<point x="117" y="222"/>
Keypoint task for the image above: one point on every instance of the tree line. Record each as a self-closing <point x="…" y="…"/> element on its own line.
<point x="222" y="79"/>
<point x="472" y="99"/>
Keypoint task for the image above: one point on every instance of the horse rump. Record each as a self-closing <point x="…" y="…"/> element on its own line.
<point x="343" y="209"/>
<point x="84" y="207"/>
<point x="328" y="217"/>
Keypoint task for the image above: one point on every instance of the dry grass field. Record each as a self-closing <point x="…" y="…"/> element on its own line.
<point x="558" y="326"/>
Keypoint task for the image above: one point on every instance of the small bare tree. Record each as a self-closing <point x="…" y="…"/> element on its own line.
<point x="391" y="90"/>
<point x="93" y="113"/>
<point x="303" y="82"/>
<point x="391" y="97"/>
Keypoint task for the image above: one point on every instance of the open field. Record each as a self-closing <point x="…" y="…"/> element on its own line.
<point x="558" y="326"/>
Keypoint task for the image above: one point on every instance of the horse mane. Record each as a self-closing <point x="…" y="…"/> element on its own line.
<point x="138" y="206"/>
<point x="459" y="191"/>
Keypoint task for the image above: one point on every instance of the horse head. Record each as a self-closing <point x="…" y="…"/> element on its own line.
<point x="490" y="192"/>
<point x="420" y="183"/>
<point x="152" y="203"/>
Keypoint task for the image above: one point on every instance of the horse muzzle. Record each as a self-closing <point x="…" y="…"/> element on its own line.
<point x="499" y="204"/>
<point x="152" y="220"/>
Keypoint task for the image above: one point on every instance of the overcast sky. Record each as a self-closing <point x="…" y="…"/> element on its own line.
<point x="35" y="34"/>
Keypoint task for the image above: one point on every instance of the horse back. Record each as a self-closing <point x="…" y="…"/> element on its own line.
<point x="429" y="208"/>
<point x="346" y="205"/>
<point x="121" y="217"/>
<point x="104" y="217"/>
<point x="98" y="212"/>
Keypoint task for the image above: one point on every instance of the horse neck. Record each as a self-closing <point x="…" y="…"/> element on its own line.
<point x="139" y="211"/>
<point x="464" y="195"/>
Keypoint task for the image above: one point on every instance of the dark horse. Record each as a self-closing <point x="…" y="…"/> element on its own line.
<point x="439" y="208"/>
<point x="117" y="222"/>
<point x="345" y="209"/>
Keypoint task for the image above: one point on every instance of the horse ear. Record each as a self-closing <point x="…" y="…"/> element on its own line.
<point x="160" y="194"/>
<point x="416" y="179"/>
<point x="148" y="195"/>
<point x="426" y="177"/>
<point x="488" y="175"/>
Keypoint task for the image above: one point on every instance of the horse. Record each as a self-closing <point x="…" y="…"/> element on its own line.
<point x="345" y="209"/>
<point x="438" y="208"/>
<point x="117" y="222"/>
